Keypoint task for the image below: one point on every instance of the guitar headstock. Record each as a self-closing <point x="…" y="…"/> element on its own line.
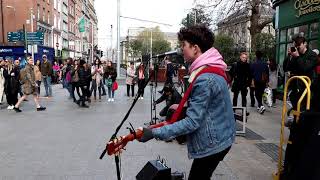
<point x="118" y="144"/>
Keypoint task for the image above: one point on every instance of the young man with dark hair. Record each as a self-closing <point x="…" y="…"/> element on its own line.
<point x="171" y="96"/>
<point x="209" y="123"/>
<point x="303" y="63"/>
<point x="260" y="74"/>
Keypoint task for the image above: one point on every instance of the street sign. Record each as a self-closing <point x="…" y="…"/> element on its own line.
<point x="35" y="36"/>
<point x="32" y="37"/>
<point x="14" y="36"/>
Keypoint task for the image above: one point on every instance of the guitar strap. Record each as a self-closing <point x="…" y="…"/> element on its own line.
<point x="177" y="114"/>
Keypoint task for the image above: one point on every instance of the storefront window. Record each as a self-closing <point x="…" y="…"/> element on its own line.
<point x="283" y="35"/>
<point x="301" y="31"/>
<point x="314" y="30"/>
<point x="314" y="44"/>
<point x="282" y="53"/>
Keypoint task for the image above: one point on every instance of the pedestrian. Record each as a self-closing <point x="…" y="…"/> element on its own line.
<point x="56" y="72"/>
<point x="37" y="73"/>
<point x="82" y="84"/>
<point x="273" y="79"/>
<point x="209" y="123"/>
<point x="87" y="72"/>
<point x="104" y="66"/>
<point x="303" y="63"/>
<point x="12" y="85"/>
<point x="74" y="80"/>
<point x="169" y="72"/>
<point x="260" y="73"/>
<point x="29" y="86"/>
<point x="130" y="80"/>
<point x="111" y="75"/>
<point x="2" y="80"/>
<point x="46" y="71"/>
<point x="241" y="76"/>
<point x="16" y="64"/>
<point x="171" y="96"/>
<point x="142" y="75"/>
<point x="97" y="77"/>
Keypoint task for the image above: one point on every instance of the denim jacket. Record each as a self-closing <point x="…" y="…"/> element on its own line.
<point x="209" y="123"/>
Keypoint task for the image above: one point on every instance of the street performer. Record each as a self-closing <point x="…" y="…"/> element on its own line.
<point x="209" y="123"/>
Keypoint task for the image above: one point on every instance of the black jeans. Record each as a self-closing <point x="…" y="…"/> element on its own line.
<point x="12" y="98"/>
<point x="274" y="96"/>
<point x="252" y="99"/>
<point x="259" y="89"/>
<point x="128" y="90"/>
<point x="141" y="83"/>
<point x="244" y="92"/>
<point x="204" y="167"/>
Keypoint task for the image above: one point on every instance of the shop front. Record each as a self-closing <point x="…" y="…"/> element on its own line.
<point x="296" y="18"/>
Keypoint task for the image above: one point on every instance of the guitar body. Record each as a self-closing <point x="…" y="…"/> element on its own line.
<point x="181" y="139"/>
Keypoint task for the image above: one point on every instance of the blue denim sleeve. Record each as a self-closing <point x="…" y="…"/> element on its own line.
<point x="198" y="103"/>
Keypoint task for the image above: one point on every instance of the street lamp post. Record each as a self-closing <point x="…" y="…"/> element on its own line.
<point x="14" y="10"/>
<point x="2" y="23"/>
<point x="118" y="37"/>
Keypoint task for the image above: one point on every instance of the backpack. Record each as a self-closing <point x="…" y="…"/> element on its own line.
<point x="68" y="76"/>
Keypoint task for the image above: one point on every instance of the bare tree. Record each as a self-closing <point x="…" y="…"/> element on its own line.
<point x="259" y="13"/>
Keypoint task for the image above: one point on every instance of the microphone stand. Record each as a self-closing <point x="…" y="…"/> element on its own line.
<point x="114" y="136"/>
<point x="153" y="93"/>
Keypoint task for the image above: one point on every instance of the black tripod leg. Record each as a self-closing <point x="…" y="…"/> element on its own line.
<point x="118" y="166"/>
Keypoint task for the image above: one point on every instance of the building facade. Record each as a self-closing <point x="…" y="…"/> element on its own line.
<point x="296" y="17"/>
<point x="237" y="26"/>
<point x="56" y="19"/>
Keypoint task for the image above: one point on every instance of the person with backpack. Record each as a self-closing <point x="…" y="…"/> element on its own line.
<point x="260" y="73"/>
<point x="29" y="86"/>
<point x="209" y="123"/>
<point x="111" y="75"/>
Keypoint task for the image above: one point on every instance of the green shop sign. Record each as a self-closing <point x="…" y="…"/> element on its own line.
<point x="305" y="7"/>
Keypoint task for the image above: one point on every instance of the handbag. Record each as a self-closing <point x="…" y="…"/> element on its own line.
<point x="114" y="86"/>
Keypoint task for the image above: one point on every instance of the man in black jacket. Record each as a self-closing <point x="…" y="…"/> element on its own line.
<point x="171" y="96"/>
<point x="303" y="63"/>
<point x="240" y="73"/>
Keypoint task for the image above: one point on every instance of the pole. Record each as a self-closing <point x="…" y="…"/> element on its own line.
<point x="111" y="52"/>
<point x="81" y="43"/>
<point x="92" y="42"/>
<point x="2" y="23"/>
<point x="151" y="44"/>
<point x="31" y="23"/>
<point x="118" y="37"/>
<point x="25" y="41"/>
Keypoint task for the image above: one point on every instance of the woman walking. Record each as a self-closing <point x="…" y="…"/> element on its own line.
<point x="142" y="74"/>
<point x="37" y="73"/>
<point x="29" y="86"/>
<point x="130" y="81"/>
<point x="2" y="80"/>
<point x="97" y="76"/>
<point x="111" y="75"/>
<point x="12" y="85"/>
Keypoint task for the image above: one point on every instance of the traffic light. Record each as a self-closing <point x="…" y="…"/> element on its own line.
<point x="101" y="53"/>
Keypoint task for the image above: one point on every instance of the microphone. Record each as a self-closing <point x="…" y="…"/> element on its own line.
<point x="174" y="52"/>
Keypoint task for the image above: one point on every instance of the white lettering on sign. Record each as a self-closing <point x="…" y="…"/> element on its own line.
<point x="45" y="51"/>
<point x="5" y="50"/>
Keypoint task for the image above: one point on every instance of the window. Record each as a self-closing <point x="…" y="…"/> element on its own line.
<point x="44" y="15"/>
<point x="314" y="30"/>
<point x="65" y="9"/>
<point x="59" y="23"/>
<point x="48" y="17"/>
<point x="59" y="6"/>
<point x="65" y="26"/>
<point x="54" y="21"/>
<point x="314" y="44"/>
<point x="283" y="35"/>
<point x="38" y="12"/>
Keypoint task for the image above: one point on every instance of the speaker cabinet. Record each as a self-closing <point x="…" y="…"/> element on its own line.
<point x="154" y="170"/>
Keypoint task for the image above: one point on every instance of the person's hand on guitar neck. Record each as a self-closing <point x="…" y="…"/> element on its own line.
<point x="147" y="135"/>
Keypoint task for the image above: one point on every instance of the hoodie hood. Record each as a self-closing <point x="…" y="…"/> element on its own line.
<point x="210" y="58"/>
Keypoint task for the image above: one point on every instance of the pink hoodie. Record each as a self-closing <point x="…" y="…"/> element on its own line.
<point x="210" y="58"/>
